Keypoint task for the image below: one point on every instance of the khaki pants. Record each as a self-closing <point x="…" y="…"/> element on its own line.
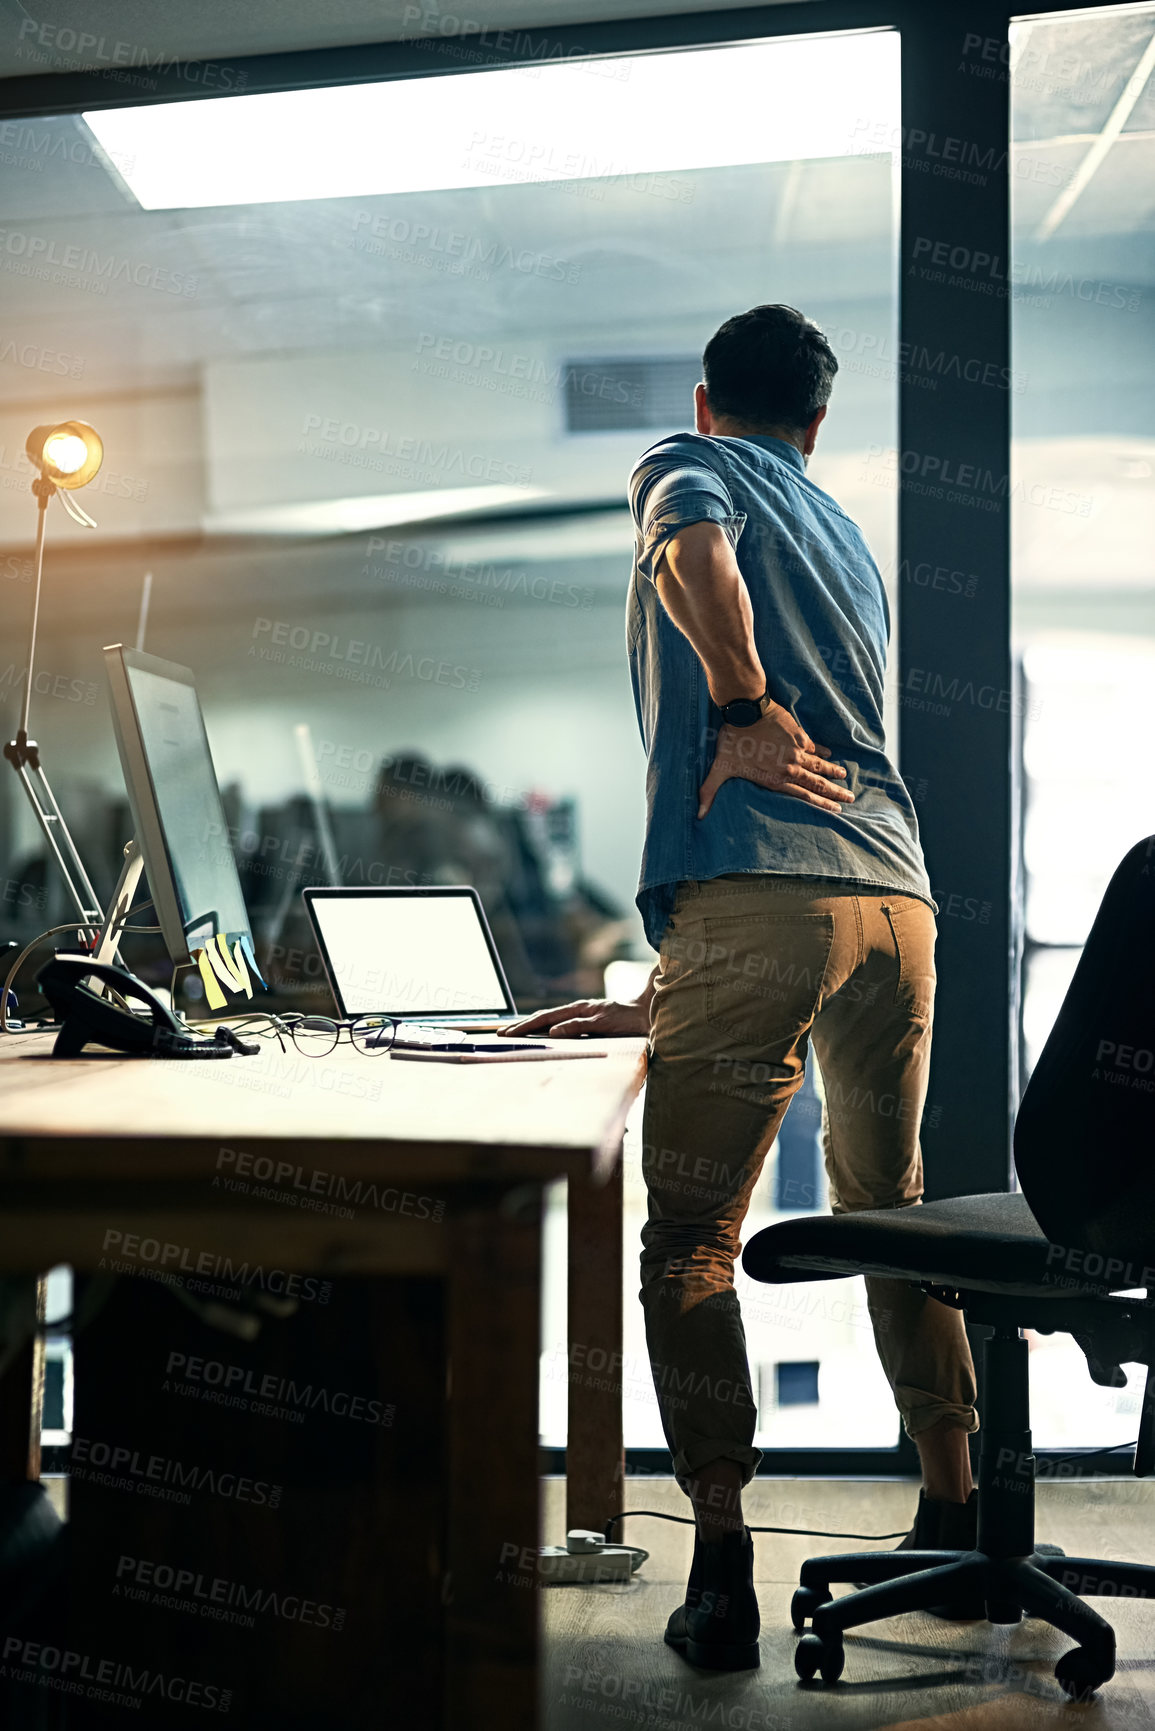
<point x="753" y="967"/>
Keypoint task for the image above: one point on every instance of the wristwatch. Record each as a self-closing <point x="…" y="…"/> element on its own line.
<point x="745" y="711"/>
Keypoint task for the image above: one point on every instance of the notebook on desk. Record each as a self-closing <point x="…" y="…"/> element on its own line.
<point x="425" y="956"/>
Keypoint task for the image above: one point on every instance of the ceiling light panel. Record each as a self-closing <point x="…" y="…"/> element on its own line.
<point x="636" y="116"/>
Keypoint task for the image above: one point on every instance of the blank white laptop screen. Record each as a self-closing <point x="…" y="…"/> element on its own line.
<point x="408" y="956"/>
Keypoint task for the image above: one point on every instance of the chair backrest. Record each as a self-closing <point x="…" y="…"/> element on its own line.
<point x="1085" y="1132"/>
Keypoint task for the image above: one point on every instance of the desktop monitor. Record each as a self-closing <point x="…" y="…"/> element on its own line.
<point x="175" y="802"/>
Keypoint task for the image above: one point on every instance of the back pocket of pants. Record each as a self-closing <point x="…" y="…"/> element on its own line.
<point x="764" y="974"/>
<point x="913" y="926"/>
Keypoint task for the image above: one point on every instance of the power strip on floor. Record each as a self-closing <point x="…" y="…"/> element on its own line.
<point x="586" y="1560"/>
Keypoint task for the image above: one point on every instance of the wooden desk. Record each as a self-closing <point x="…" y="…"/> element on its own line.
<point x="369" y="1170"/>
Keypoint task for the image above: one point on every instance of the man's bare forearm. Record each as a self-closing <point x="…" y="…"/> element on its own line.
<point x="705" y="595"/>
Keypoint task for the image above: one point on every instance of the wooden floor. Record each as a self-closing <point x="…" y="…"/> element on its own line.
<point x="606" y="1664"/>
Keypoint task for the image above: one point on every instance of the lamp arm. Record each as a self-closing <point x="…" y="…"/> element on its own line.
<point x="44" y="490"/>
<point x="24" y="756"/>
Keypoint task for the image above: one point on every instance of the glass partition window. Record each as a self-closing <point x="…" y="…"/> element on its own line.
<point x="371" y="367"/>
<point x="1083" y="289"/>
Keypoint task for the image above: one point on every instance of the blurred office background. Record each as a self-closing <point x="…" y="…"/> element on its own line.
<point x="371" y="453"/>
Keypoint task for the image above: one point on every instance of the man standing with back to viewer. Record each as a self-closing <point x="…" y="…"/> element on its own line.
<point x="784" y="888"/>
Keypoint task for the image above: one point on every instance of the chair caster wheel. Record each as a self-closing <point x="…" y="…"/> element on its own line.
<point x="1079" y="1673"/>
<point x="818" y="1653"/>
<point x="803" y="1605"/>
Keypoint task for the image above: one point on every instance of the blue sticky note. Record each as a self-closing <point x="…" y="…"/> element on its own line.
<point x="247" y="948"/>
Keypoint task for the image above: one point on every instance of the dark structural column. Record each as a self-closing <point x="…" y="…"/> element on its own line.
<point x="953" y="473"/>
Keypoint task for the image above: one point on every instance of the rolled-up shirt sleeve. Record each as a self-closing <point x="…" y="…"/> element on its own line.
<point x="672" y="487"/>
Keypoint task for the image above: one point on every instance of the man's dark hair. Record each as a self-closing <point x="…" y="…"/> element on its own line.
<point x="770" y="367"/>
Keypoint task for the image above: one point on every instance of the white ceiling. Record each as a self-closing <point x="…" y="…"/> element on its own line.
<point x="157" y="30"/>
<point x="311" y="277"/>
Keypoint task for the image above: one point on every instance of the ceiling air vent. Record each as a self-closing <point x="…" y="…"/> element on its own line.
<point x="615" y="396"/>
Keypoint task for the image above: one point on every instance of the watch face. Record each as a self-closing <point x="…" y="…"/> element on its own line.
<point x="743" y="712"/>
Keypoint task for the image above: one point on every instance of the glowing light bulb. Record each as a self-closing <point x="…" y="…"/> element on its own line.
<point x="66" y="453"/>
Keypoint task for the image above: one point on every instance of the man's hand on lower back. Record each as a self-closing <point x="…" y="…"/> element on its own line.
<point x="776" y="753"/>
<point x="600" y="1018"/>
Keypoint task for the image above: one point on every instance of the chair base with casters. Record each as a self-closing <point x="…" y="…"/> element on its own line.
<point x="987" y="1256"/>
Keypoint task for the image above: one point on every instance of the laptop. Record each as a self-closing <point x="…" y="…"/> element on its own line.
<point x="425" y="956"/>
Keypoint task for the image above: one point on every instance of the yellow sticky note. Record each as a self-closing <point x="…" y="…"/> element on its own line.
<point x="221" y="964"/>
<point x="220" y="968"/>
<point x="239" y="970"/>
<point x="213" y="992"/>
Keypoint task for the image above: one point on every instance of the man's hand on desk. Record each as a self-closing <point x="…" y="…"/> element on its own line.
<point x="598" y="1018"/>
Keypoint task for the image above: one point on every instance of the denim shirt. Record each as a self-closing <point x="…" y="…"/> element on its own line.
<point x="821" y="625"/>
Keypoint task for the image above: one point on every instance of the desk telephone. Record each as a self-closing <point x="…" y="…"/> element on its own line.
<point x="88" y="1018"/>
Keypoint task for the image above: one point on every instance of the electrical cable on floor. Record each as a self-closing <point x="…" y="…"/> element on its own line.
<point x="688" y="1521"/>
<point x="819" y="1533"/>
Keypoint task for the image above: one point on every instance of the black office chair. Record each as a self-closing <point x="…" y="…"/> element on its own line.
<point x="1052" y="1259"/>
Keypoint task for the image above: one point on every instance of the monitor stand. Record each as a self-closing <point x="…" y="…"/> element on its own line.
<point x="108" y="945"/>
